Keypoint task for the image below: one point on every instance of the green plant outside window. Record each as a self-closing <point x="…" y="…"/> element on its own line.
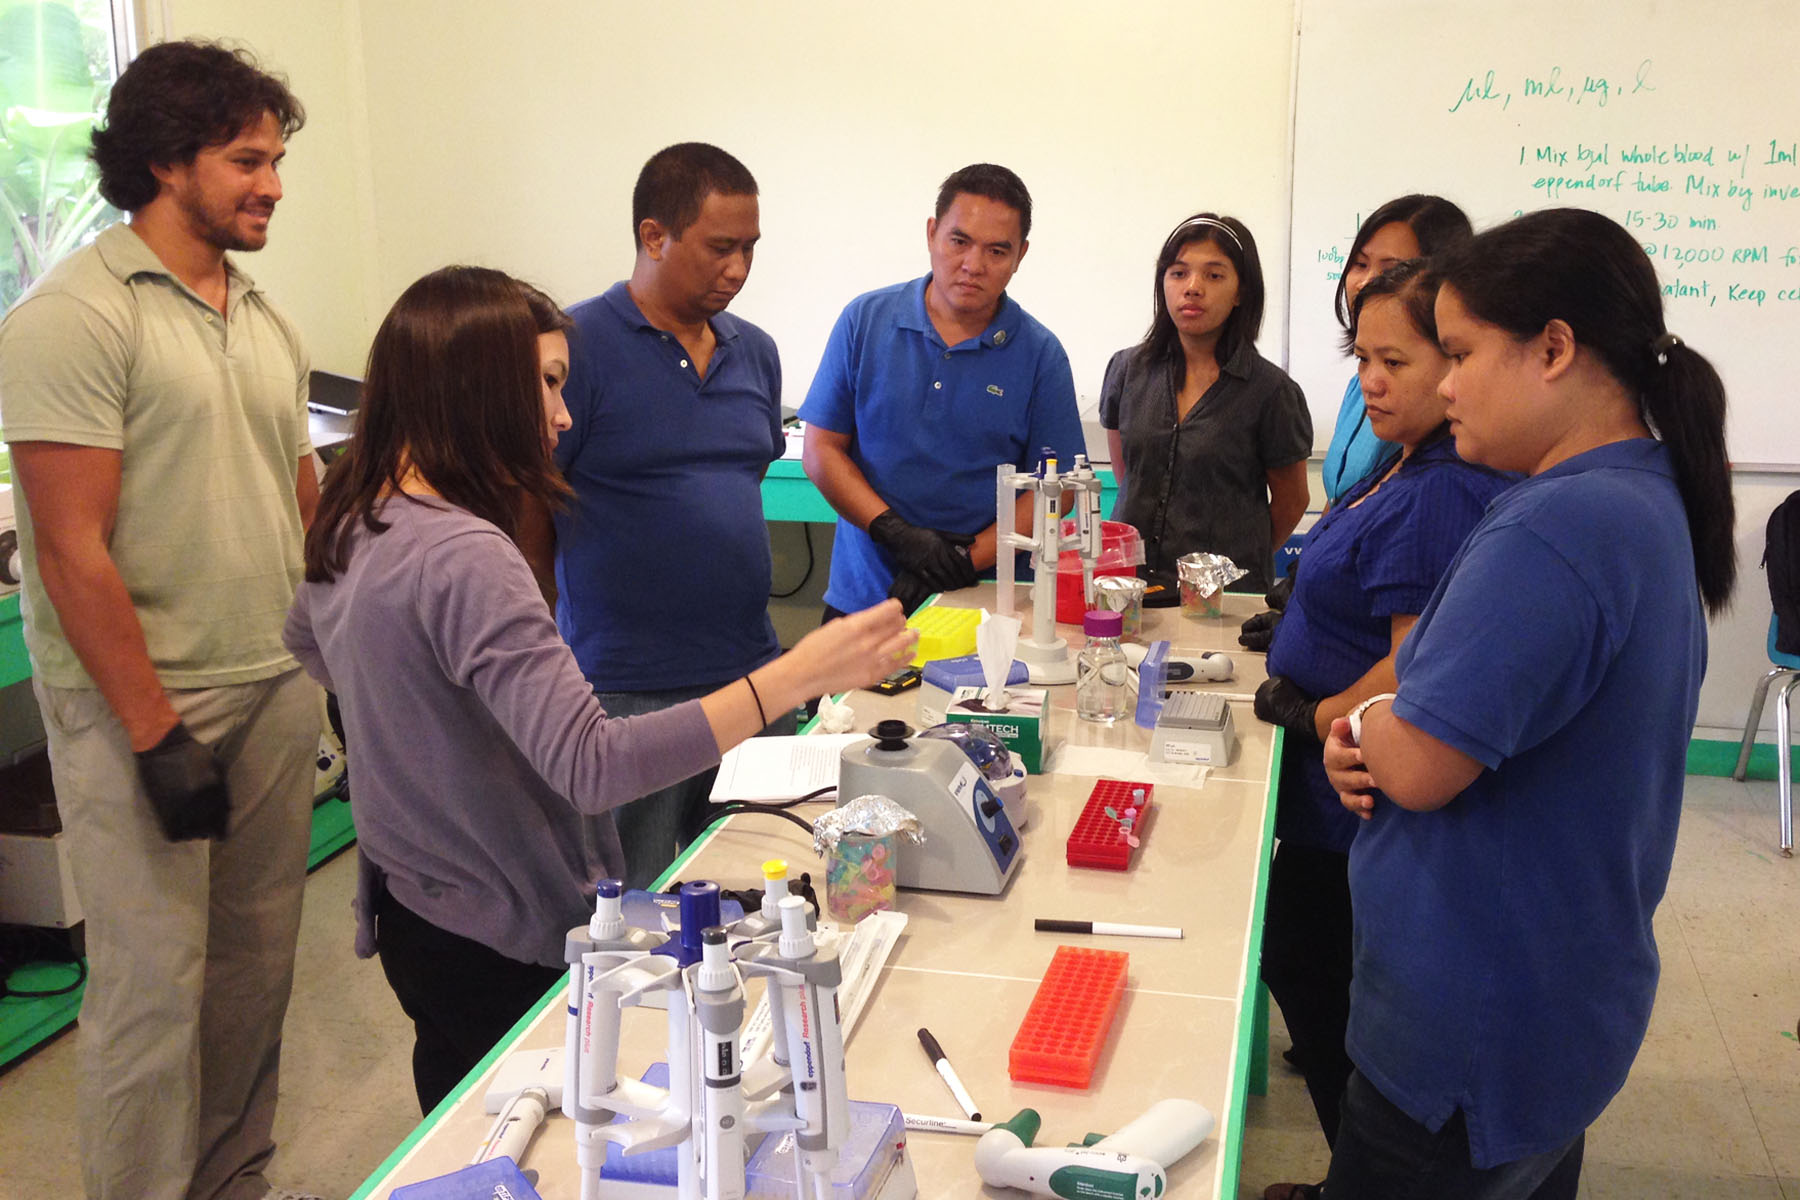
<point x="57" y="64"/>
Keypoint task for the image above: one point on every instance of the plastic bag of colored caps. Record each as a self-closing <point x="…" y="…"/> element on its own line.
<point x="861" y="843"/>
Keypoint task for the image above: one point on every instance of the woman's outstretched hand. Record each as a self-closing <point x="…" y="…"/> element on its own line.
<point x="856" y="650"/>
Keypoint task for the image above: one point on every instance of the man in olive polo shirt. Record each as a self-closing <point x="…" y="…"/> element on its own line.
<point x="156" y="406"/>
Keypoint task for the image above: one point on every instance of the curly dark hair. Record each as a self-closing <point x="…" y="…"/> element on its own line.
<point x="175" y="100"/>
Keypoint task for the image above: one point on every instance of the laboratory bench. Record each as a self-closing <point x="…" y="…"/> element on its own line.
<point x="1191" y="1023"/>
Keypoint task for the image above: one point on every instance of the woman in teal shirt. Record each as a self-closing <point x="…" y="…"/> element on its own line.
<point x="1410" y="227"/>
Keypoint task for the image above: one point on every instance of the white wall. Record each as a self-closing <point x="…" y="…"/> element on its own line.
<point x="466" y="130"/>
<point x="317" y="263"/>
<point x="511" y="135"/>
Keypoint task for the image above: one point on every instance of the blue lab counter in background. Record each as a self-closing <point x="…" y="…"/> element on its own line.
<point x="788" y="495"/>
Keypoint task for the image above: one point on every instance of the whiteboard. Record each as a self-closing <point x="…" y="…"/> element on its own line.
<point x="1680" y="121"/>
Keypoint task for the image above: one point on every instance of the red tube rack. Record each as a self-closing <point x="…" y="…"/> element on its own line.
<point x="1065" y="1028"/>
<point x="1098" y="840"/>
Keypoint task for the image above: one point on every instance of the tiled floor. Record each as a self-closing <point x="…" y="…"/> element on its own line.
<point x="1712" y="1108"/>
<point x="346" y="1079"/>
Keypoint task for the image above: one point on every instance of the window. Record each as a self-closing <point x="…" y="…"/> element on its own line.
<point x="58" y="60"/>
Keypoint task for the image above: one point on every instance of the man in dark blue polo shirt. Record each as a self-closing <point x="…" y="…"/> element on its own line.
<point x="662" y="562"/>
<point x="924" y="388"/>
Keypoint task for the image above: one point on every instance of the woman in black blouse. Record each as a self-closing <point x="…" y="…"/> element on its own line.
<point x="1209" y="439"/>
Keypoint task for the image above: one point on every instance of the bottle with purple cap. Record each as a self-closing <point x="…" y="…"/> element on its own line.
<point x="1102" y="677"/>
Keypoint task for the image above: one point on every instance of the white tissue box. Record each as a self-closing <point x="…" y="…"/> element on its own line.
<point x="942" y="677"/>
<point x="1020" y="724"/>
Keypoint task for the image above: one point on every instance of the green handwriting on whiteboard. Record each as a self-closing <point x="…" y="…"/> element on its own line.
<point x="1693" y="205"/>
<point x="1552" y="84"/>
<point x="1721" y="178"/>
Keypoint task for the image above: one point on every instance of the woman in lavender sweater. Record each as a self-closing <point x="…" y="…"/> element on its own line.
<point x="477" y="743"/>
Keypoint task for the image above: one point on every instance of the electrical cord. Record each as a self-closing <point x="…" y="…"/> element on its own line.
<point x="811" y="562"/>
<point x="732" y="810"/>
<point x="777" y="808"/>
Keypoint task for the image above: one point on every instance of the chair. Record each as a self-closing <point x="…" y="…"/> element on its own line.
<point x="1787" y="669"/>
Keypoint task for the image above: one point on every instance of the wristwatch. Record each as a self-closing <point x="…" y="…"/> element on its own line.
<point x="1356" y="715"/>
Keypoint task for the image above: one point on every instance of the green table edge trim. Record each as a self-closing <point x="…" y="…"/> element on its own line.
<point x="1251" y="1069"/>
<point x="504" y="1046"/>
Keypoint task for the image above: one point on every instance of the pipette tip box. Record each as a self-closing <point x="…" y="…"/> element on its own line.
<point x="1194" y="727"/>
<point x="491" y="1180"/>
<point x="1100" y="838"/>
<point x="1065" y="1028"/>
<point x="873" y="1153"/>
<point x="943" y="632"/>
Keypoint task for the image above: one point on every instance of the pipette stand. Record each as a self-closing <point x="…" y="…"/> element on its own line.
<point x="712" y="1104"/>
<point x="1046" y="656"/>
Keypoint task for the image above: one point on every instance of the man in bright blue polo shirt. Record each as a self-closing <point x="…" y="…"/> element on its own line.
<point x="662" y="563"/>
<point x="924" y="388"/>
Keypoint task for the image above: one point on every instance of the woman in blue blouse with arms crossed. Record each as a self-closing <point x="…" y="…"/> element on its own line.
<point x="1522" y="790"/>
<point x="1371" y="564"/>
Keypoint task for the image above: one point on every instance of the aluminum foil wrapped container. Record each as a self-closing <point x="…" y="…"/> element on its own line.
<point x="1123" y="594"/>
<point x="1204" y="578"/>
<point x="871" y="816"/>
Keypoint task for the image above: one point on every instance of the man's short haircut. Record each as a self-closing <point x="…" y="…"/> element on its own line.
<point x="674" y="183"/>
<point x="993" y="182"/>
<point x="175" y="100"/>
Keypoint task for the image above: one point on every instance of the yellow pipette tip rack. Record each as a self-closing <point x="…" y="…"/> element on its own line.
<point x="944" y="633"/>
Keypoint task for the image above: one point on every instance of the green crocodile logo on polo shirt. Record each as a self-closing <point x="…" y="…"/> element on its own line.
<point x="995" y="389"/>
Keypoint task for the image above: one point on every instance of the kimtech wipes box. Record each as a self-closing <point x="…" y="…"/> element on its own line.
<point x="943" y="677"/>
<point x="1020" y="724"/>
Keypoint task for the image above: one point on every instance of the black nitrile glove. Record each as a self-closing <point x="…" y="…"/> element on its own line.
<point x="1277" y="596"/>
<point x="186" y="787"/>
<point x="910" y="591"/>
<point x="1280" y="701"/>
<point x="937" y="558"/>
<point x="1259" y="631"/>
